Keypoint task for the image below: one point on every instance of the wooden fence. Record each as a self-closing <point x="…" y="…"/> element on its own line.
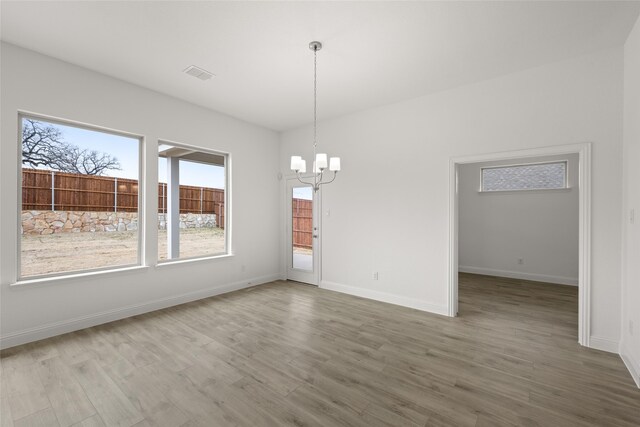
<point x="302" y="223"/>
<point x="49" y="190"/>
<point x="196" y="200"/>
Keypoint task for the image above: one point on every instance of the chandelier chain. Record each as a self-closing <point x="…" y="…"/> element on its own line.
<point x="319" y="167"/>
<point x="315" y="99"/>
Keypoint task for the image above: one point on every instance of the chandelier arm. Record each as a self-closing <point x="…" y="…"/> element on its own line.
<point x="329" y="182"/>
<point x="305" y="182"/>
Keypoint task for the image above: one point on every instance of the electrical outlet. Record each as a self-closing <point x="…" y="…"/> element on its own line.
<point x="243" y="268"/>
<point x="520" y="261"/>
<point x="375" y="275"/>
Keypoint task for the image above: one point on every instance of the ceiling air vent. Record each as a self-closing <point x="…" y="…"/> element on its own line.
<point x="194" y="71"/>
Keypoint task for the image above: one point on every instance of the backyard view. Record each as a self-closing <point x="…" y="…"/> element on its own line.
<point x="59" y="252"/>
<point x="80" y="202"/>
<point x="302" y="227"/>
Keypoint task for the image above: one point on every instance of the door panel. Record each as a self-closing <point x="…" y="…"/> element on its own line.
<point x="302" y="233"/>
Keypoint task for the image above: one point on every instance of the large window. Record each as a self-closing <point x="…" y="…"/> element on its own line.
<point x="535" y="176"/>
<point x="79" y="193"/>
<point x="192" y="202"/>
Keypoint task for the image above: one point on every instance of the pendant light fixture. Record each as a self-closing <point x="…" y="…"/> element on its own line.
<point x="320" y="164"/>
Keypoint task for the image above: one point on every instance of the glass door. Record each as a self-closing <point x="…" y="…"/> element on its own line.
<point x="302" y="233"/>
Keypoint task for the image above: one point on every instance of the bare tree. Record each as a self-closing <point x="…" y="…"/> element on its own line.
<point x="43" y="145"/>
<point x="39" y="144"/>
<point x="89" y="162"/>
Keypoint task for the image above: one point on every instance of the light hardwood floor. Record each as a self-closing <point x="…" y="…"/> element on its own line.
<point x="289" y="354"/>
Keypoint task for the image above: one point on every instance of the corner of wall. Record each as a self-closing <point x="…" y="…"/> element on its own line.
<point x="630" y="345"/>
<point x="631" y="362"/>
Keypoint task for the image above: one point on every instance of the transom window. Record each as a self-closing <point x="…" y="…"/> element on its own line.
<point x="534" y="176"/>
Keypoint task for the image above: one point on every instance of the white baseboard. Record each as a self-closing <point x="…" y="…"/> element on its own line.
<point x="604" y="344"/>
<point x="561" y="280"/>
<point x="385" y="297"/>
<point x="62" y="327"/>
<point x="632" y="364"/>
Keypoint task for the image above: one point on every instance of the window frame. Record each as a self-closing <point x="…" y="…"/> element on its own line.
<point x="566" y="176"/>
<point x="22" y="115"/>
<point x="227" y="203"/>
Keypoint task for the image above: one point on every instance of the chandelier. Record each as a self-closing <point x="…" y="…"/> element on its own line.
<point x="320" y="164"/>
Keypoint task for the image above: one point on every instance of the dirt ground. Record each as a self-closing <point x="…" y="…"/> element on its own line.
<point x="194" y="242"/>
<point x="303" y="251"/>
<point x="55" y="253"/>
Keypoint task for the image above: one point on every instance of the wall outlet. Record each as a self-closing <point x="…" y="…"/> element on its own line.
<point x="630" y="327"/>
<point x="375" y="275"/>
<point x="243" y="268"/>
<point x="520" y="261"/>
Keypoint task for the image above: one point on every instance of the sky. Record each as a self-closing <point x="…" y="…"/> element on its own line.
<point x="125" y="149"/>
<point x="196" y="174"/>
<point x="305" y="193"/>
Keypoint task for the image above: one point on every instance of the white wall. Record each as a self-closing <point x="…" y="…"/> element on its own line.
<point x="40" y="84"/>
<point x="389" y="205"/>
<point x="541" y="227"/>
<point x="630" y="348"/>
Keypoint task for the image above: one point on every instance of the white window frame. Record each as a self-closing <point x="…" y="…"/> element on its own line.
<point x="566" y="176"/>
<point x="227" y="204"/>
<point x="22" y="115"/>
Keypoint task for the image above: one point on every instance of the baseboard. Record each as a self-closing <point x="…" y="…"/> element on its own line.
<point x="560" y="280"/>
<point x="384" y="297"/>
<point x="604" y="344"/>
<point x="632" y="364"/>
<point x="62" y="327"/>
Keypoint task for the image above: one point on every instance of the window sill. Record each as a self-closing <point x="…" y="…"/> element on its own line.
<point x="169" y="262"/>
<point x="51" y="280"/>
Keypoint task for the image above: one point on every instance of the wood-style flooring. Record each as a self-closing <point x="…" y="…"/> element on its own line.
<point x="286" y="354"/>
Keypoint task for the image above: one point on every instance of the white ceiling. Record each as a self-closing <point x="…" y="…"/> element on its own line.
<point x="374" y="53"/>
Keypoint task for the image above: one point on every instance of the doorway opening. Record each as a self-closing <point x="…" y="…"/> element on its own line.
<point x="303" y="233"/>
<point x="580" y="178"/>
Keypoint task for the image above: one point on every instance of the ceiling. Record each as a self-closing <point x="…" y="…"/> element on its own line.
<point x="374" y="53"/>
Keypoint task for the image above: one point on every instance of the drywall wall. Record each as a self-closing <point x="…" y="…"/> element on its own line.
<point x="630" y="346"/>
<point x="35" y="83"/>
<point x="497" y="229"/>
<point x="389" y="207"/>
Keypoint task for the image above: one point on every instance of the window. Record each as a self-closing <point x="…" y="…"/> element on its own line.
<point x="535" y="176"/>
<point x="79" y="198"/>
<point x="192" y="202"/>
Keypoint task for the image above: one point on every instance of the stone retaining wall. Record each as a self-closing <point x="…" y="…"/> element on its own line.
<point x="49" y="222"/>
<point x="190" y="220"/>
